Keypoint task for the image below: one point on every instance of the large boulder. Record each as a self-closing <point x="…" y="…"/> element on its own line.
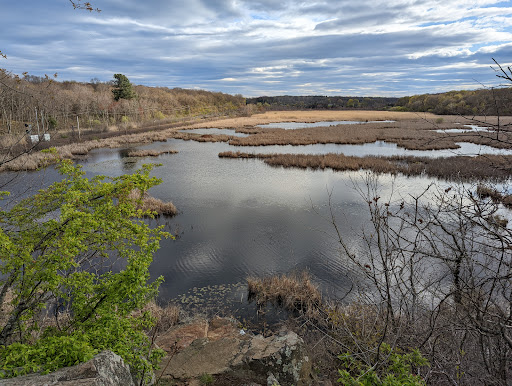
<point x="220" y="348"/>
<point x="105" y="369"/>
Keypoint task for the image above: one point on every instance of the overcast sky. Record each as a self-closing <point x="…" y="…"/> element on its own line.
<point x="264" y="47"/>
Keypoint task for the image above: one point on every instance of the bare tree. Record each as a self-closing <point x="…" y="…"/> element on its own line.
<point x="436" y="271"/>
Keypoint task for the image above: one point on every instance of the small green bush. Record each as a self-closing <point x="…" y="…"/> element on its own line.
<point x="158" y="115"/>
<point x="206" y="379"/>
<point x="395" y="369"/>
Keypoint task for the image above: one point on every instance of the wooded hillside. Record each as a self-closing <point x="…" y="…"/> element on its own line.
<point x="52" y="104"/>
<point x="316" y="102"/>
<point x="481" y="102"/>
<point x="474" y="102"/>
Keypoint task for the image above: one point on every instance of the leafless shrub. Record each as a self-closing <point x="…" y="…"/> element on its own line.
<point x="437" y="268"/>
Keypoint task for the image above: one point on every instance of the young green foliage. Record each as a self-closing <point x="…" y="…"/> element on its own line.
<point x="396" y="369"/>
<point x="80" y="251"/>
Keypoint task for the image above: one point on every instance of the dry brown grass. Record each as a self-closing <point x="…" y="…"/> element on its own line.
<point x="154" y="205"/>
<point x="202" y="137"/>
<point x="166" y="316"/>
<point x="150" y="153"/>
<point x="411" y="131"/>
<point x="311" y="116"/>
<point x="486" y="192"/>
<point x="293" y="292"/>
<point x="413" y="135"/>
<point x="460" y="168"/>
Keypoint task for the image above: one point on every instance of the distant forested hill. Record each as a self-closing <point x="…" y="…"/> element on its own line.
<point x="290" y="102"/>
<point x="479" y="102"/>
<point x="475" y="102"/>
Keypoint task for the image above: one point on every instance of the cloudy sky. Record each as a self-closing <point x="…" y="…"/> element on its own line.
<point x="264" y="47"/>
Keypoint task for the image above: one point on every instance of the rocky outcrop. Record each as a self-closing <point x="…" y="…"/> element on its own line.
<point x="105" y="369"/>
<point x="218" y="347"/>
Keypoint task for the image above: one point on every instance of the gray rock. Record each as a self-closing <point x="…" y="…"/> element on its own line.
<point x="105" y="369"/>
<point x="222" y="349"/>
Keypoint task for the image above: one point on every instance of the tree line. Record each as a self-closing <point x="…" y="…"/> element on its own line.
<point x="50" y="104"/>
<point x="318" y="102"/>
<point x="466" y="102"/>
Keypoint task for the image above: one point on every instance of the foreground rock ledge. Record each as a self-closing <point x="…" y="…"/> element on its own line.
<point x="105" y="369"/>
<point x="218" y="347"/>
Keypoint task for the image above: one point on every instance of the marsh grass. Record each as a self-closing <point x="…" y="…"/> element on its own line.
<point x="150" y="153"/>
<point x="155" y="205"/>
<point x="165" y="316"/>
<point x="459" y="168"/>
<point x="202" y="137"/>
<point x="327" y="328"/>
<point x="483" y="191"/>
<point x="412" y="135"/>
<point x="410" y="130"/>
<point x="294" y="292"/>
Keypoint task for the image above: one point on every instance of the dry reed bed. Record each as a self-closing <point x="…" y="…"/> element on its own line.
<point x="411" y="130"/>
<point x="202" y="137"/>
<point x="486" y="192"/>
<point x="313" y="116"/>
<point x="155" y="205"/>
<point x="165" y="317"/>
<point x="293" y="292"/>
<point x="33" y="161"/>
<point x="411" y="135"/>
<point x="459" y="168"/>
<point x="150" y="153"/>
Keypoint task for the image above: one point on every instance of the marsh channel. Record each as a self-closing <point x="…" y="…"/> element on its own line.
<point x="240" y="218"/>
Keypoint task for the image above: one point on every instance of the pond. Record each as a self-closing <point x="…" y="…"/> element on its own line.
<point x="241" y="218"/>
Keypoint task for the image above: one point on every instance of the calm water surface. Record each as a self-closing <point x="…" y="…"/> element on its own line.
<point x="241" y="217"/>
<point x="304" y="125"/>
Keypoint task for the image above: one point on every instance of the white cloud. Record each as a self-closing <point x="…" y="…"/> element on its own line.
<point x="389" y="47"/>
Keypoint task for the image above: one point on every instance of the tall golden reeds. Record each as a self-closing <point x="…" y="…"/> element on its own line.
<point x="294" y="292"/>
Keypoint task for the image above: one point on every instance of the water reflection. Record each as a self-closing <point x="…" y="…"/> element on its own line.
<point x="304" y="125"/>
<point x="215" y="131"/>
<point x="246" y="218"/>
<point x="240" y="218"/>
<point x="467" y="129"/>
